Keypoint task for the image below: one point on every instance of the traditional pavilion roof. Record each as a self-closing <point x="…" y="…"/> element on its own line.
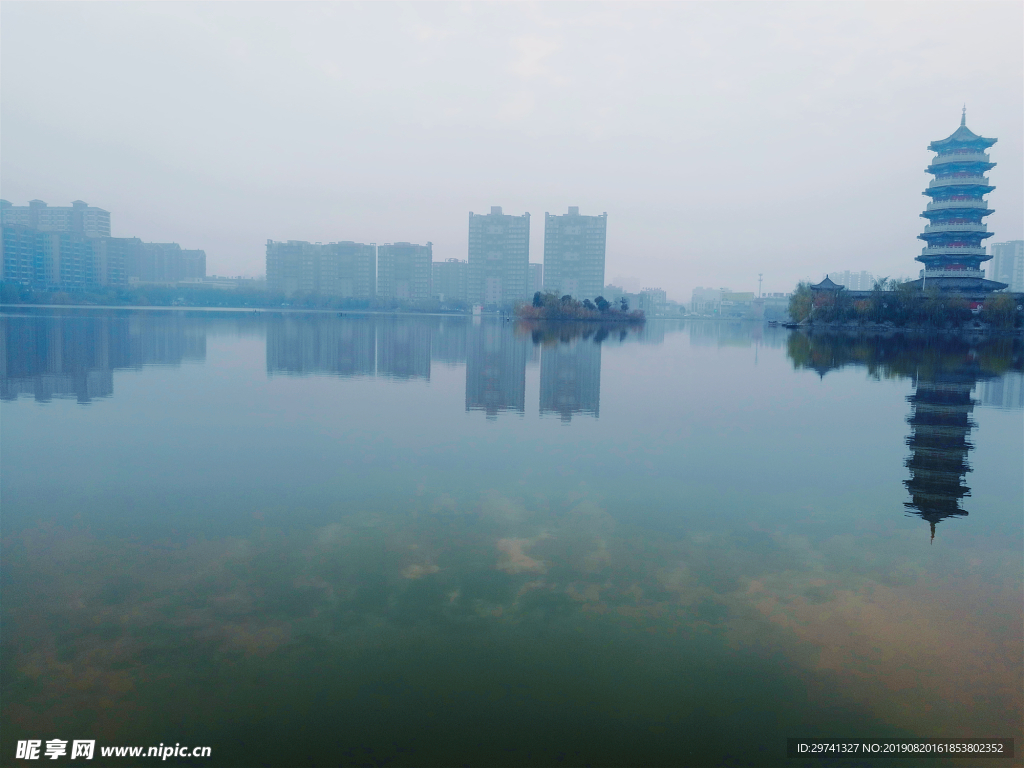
<point x="962" y="135"/>
<point x="827" y="285"/>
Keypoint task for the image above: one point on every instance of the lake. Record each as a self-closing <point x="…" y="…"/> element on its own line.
<point x="311" y="540"/>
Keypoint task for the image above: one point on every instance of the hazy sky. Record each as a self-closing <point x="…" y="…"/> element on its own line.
<point x="723" y="139"/>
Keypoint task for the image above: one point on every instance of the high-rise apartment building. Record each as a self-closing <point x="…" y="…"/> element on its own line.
<point x="450" y="281"/>
<point x="79" y="217"/>
<point x="1007" y="265"/>
<point x="536" y="279"/>
<point x="71" y="248"/>
<point x="53" y="259"/>
<point x="574" y="248"/>
<point x="116" y="256"/>
<point x="404" y="271"/>
<point x="345" y="269"/>
<point x="499" y="257"/>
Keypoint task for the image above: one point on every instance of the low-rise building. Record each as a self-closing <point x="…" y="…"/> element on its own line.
<point x="854" y="281"/>
<point x="164" y="264"/>
<point x="450" y="280"/>
<point x="706" y="301"/>
<point x="652" y="301"/>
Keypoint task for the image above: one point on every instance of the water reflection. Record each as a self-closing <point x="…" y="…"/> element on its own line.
<point x="403" y="349"/>
<point x="1006" y="392"/>
<point x="495" y="354"/>
<point x="495" y="370"/>
<point x="305" y="344"/>
<point x="450" y="611"/>
<point x="944" y="372"/>
<point x="75" y="356"/>
<point x="570" y="377"/>
<point x="711" y="333"/>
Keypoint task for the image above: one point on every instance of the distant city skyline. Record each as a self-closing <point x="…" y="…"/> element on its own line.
<point x="724" y="140"/>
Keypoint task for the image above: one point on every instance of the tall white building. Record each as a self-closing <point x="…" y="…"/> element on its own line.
<point x="77" y="217"/>
<point x="499" y="258"/>
<point x="1007" y="265"/>
<point x="574" y="250"/>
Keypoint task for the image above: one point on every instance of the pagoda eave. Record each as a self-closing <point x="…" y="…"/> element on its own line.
<point x="981" y="167"/>
<point x="953" y="212"/>
<point x="976" y="189"/>
<point x="977" y="288"/>
<point x="928" y="237"/>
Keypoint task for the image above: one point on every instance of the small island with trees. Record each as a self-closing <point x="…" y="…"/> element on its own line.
<point x="551" y="306"/>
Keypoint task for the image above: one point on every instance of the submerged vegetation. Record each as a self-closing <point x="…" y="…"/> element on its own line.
<point x="551" y="306"/>
<point x="900" y="304"/>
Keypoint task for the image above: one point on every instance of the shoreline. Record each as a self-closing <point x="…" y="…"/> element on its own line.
<point x="892" y="330"/>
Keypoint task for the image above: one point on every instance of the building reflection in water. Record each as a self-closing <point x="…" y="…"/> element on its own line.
<point x="75" y="355"/>
<point x="1006" y="392"/>
<point x="944" y="372"/>
<point x="738" y="333"/>
<point x="495" y="369"/>
<point x="448" y="345"/>
<point x="570" y="376"/>
<point x="316" y="343"/>
<point x="403" y="349"/>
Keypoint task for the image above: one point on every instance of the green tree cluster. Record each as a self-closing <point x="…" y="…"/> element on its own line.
<point x="551" y="306"/>
<point x="902" y="304"/>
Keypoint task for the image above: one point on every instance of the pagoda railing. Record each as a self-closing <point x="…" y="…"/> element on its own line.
<point x="979" y="227"/>
<point x="954" y="250"/>
<point x="951" y="181"/>
<point x="943" y="273"/>
<point x="940" y="205"/>
<point x="971" y="157"/>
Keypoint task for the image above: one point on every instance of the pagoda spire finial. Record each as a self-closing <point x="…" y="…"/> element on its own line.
<point x="963" y="116"/>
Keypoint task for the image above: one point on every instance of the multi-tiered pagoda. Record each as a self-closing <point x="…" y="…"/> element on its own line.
<point x="954" y="252"/>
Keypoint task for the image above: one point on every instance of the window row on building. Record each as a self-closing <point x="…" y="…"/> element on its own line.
<point x="70" y="260"/>
<point x="78" y="217"/>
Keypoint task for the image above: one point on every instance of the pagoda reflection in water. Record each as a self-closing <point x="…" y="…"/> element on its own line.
<point x="945" y="371"/>
<point x="940" y="421"/>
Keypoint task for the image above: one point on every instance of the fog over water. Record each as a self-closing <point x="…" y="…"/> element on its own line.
<point x="723" y="139"/>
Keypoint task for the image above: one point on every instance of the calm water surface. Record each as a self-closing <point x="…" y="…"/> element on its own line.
<point x="319" y="540"/>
